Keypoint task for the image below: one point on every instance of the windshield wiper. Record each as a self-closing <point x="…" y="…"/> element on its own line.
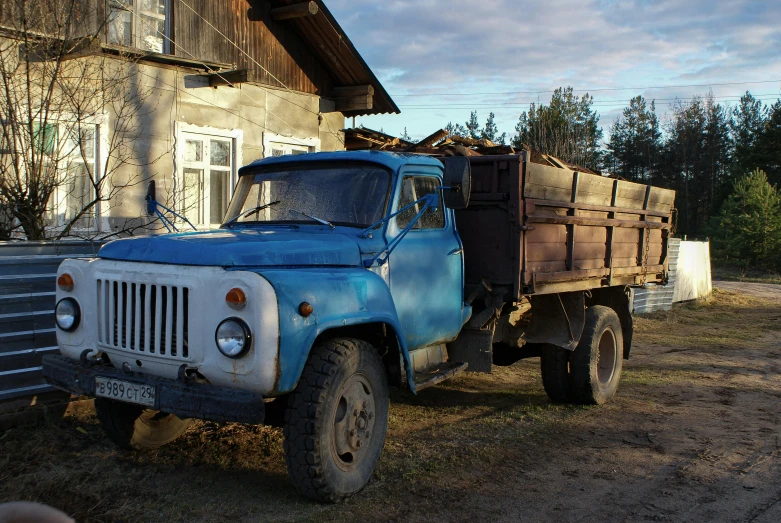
<point x="315" y="218"/>
<point x="247" y="213"/>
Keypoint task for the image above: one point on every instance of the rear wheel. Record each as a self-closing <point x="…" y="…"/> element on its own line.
<point x="595" y="366"/>
<point x="134" y="427"/>
<point x="336" y="420"/>
<point x="554" y="365"/>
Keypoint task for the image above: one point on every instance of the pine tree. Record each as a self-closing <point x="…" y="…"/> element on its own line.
<point x="405" y="136"/>
<point x="750" y="223"/>
<point x="746" y="127"/>
<point x="768" y="147"/>
<point x="568" y="128"/>
<point x="490" y="131"/>
<point x="635" y="142"/>
<point x="473" y="126"/>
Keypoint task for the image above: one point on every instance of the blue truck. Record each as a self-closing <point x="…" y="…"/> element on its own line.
<point x="338" y="275"/>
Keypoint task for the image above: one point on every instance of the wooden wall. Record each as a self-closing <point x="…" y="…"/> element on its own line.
<point x="273" y="45"/>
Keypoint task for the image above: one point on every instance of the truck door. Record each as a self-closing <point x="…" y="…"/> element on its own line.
<point x="426" y="267"/>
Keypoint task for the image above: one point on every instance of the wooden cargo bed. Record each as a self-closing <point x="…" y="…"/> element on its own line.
<point x="538" y="229"/>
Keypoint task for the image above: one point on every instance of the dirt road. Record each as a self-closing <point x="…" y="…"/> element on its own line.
<point x="694" y="435"/>
<point x="770" y="291"/>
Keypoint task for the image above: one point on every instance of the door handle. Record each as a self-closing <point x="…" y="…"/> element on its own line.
<point x="455" y="251"/>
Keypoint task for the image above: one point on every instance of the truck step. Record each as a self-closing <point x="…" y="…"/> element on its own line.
<point x="438" y="373"/>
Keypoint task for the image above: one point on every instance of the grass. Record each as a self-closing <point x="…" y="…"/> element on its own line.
<point x="463" y="431"/>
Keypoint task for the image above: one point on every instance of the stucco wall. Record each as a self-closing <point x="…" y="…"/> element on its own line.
<point x="177" y="100"/>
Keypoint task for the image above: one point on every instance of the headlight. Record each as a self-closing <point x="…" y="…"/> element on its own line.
<point x="67" y="314"/>
<point x="233" y="337"/>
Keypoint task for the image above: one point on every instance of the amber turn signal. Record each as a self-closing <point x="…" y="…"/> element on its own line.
<point x="236" y="299"/>
<point x="305" y="309"/>
<point x="65" y="282"/>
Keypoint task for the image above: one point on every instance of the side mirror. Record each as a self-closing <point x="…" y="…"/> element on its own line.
<point x="458" y="180"/>
<point x="150" y="198"/>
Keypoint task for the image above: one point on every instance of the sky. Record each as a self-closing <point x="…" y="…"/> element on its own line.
<point x="440" y="59"/>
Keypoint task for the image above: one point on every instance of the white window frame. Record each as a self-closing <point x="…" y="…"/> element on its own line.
<point x="182" y="130"/>
<point x="136" y="22"/>
<point x="288" y="142"/>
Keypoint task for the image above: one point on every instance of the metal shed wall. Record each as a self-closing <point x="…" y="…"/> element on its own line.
<point x="27" y="280"/>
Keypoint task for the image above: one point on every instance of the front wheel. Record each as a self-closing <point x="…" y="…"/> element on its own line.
<point x="336" y="420"/>
<point x="134" y="427"/>
<point x="595" y="366"/>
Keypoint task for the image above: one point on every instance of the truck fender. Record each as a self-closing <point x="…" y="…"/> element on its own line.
<point x="340" y="297"/>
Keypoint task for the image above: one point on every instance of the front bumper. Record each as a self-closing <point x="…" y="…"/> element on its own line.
<point x="186" y="400"/>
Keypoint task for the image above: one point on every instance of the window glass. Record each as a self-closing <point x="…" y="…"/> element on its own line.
<point x="138" y="23"/>
<point x="193" y="151"/>
<point x="353" y="195"/>
<point x="220" y="153"/>
<point x="414" y="188"/>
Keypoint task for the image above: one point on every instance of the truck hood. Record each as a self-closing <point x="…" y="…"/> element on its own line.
<point x="239" y="248"/>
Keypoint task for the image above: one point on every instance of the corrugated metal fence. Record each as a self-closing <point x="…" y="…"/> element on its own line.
<point x="659" y="298"/>
<point x="27" y="284"/>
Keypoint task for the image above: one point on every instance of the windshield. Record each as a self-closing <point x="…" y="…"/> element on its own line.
<point x="354" y="195"/>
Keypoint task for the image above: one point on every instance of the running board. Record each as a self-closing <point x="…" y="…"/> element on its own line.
<point x="438" y="373"/>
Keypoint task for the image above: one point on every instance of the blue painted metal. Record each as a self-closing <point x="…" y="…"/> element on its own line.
<point x="340" y="297"/>
<point x="426" y="281"/>
<point x="295" y="246"/>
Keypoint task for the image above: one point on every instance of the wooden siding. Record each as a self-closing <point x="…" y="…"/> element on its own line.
<point x="274" y="45"/>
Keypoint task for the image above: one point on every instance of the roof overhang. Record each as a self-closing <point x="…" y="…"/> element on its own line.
<point x="358" y="90"/>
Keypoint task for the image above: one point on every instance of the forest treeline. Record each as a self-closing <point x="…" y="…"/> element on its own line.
<point x="723" y="161"/>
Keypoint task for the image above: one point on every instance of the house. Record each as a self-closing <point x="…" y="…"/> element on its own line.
<point x="225" y="82"/>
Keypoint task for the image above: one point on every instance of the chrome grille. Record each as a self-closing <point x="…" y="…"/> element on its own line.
<point x="144" y="318"/>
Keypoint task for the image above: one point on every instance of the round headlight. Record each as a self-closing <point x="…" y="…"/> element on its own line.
<point x="233" y="337"/>
<point x="67" y="314"/>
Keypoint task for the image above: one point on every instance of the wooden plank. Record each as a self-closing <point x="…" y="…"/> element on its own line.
<point x="356" y="103"/>
<point x="294" y="11"/>
<point x="429" y="140"/>
<point x="631" y="213"/>
<point x="579" y="220"/>
<point x="548" y="183"/>
<point x="353" y="90"/>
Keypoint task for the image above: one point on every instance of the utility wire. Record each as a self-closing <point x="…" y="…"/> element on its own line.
<point x="590" y="90"/>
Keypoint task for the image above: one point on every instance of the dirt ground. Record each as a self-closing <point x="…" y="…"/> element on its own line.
<point x="693" y="435"/>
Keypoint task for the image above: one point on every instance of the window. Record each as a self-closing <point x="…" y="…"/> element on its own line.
<point x="77" y="151"/>
<point x="281" y="149"/>
<point x="414" y="188"/>
<point x="277" y="145"/>
<point x="207" y="174"/>
<point x="139" y="23"/>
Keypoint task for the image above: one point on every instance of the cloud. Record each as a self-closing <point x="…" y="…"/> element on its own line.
<point x="459" y="46"/>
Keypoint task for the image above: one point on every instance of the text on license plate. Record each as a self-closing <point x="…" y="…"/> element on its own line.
<point x="125" y="391"/>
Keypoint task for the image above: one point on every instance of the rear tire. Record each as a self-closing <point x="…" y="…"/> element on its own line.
<point x="554" y="366"/>
<point x="595" y="366"/>
<point x="336" y="420"/>
<point x="133" y="427"/>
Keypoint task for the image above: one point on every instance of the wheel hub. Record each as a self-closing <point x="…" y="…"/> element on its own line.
<point x="354" y="420"/>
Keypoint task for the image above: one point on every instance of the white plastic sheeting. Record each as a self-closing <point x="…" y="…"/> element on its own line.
<point x="693" y="279"/>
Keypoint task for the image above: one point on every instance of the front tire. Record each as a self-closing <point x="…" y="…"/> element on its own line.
<point x="595" y="366"/>
<point x="336" y="420"/>
<point x="135" y="428"/>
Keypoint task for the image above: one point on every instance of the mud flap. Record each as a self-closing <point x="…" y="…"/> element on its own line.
<point x="557" y="319"/>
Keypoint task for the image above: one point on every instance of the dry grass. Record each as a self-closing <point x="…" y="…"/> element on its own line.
<point x="447" y="452"/>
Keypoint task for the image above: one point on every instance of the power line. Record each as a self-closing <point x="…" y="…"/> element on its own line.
<point x="600" y="89"/>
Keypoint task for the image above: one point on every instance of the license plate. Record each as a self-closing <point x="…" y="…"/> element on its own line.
<point x="125" y="391"/>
